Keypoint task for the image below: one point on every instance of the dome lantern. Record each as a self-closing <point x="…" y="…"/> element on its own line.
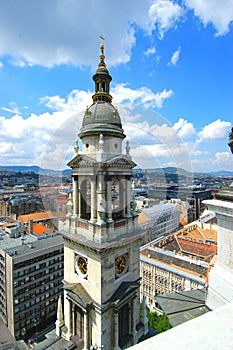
<point x="102" y="117"/>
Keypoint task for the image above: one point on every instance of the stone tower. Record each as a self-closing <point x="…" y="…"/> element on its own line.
<point x="102" y="237"/>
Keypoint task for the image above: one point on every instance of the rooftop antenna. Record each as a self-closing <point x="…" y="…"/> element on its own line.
<point x="102" y="44"/>
<point x="102" y="38"/>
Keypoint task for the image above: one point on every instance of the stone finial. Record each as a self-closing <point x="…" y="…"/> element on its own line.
<point x="127" y="148"/>
<point x="76" y="147"/>
<point x="70" y="204"/>
<point x="100" y="157"/>
<point x="101" y="143"/>
<point x="59" y="322"/>
<point x="230" y="143"/>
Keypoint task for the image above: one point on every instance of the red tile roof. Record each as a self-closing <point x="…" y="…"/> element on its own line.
<point x="41" y="216"/>
<point x="38" y="229"/>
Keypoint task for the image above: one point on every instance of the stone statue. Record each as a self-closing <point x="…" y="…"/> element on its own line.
<point x="230" y="143"/>
<point x="128" y="149"/>
<point x="76" y="147"/>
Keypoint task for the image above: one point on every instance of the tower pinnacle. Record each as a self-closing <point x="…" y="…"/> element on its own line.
<point x="102" y="78"/>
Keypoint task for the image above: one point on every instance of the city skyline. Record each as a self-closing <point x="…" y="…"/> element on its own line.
<point x="171" y="64"/>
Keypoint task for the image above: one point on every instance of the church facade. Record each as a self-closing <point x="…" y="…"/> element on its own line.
<point x="101" y="305"/>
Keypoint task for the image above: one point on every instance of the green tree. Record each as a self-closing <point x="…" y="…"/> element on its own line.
<point x="159" y="322"/>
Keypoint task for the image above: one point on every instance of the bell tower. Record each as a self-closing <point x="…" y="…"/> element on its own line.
<point x="102" y="237"/>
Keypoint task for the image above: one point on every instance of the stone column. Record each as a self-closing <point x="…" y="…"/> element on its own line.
<point x="75" y="196"/>
<point x="115" y="331"/>
<point x="59" y="322"/>
<point x="130" y="318"/>
<point x="93" y="200"/>
<point x="69" y="324"/>
<point x="144" y="318"/>
<point x="86" y="333"/>
<point x="122" y="196"/>
<point x="101" y="202"/>
<point x="128" y="198"/>
<point x="73" y="319"/>
<point x="109" y="201"/>
<point x="134" y="332"/>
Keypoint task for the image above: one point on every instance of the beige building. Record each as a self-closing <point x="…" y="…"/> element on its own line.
<point x="185" y="209"/>
<point x="102" y="237"/>
<point x="178" y="262"/>
<point x="31" y="271"/>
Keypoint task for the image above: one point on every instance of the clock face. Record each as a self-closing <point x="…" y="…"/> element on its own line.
<point x="81" y="265"/>
<point x="120" y="264"/>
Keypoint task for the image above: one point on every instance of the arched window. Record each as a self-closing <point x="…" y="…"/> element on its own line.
<point x="85" y="212"/>
<point x="103" y="87"/>
<point x="117" y="211"/>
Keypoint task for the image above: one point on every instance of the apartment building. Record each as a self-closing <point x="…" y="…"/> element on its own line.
<point x="178" y="262"/>
<point x="159" y="220"/>
<point x="31" y="273"/>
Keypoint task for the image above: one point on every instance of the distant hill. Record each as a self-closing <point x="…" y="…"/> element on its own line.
<point x="171" y="170"/>
<point x="36" y="169"/>
<point x="167" y="170"/>
<point x="22" y="168"/>
<point x="221" y="173"/>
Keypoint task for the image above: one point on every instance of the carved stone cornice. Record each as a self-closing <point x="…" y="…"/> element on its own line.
<point x="120" y="162"/>
<point x="81" y="161"/>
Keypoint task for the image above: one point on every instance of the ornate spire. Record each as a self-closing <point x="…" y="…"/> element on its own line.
<point x="102" y="56"/>
<point x="102" y="78"/>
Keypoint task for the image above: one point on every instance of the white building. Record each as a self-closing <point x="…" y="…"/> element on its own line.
<point x="159" y="220"/>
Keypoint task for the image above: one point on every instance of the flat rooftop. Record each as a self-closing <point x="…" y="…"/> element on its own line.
<point x="213" y="330"/>
<point x="31" y="243"/>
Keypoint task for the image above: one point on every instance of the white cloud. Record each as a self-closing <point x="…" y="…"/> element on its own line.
<point x="143" y="132"/>
<point x="36" y="139"/>
<point x="216" y="130"/>
<point x="50" y="33"/>
<point x="58" y="32"/>
<point x="143" y="95"/>
<point x="196" y="153"/>
<point x="1" y="65"/>
<point x="47" y="139"/>
<point x="222" y="160"/>
<point x="150" y="51"/>
<point x="175" y="57"/>
<point x="75" y="101"/>
<point x="183" y="128"/>
<point x="217" y="12"/>
<point x="149" y="156"/>
<point x="13" y="108"/>
<point x="216" y="162"/>
<point x="164" y="14"/>
<point x="25" y="140"/>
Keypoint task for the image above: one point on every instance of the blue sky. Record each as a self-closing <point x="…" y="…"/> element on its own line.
<point x="171" y="64"/>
